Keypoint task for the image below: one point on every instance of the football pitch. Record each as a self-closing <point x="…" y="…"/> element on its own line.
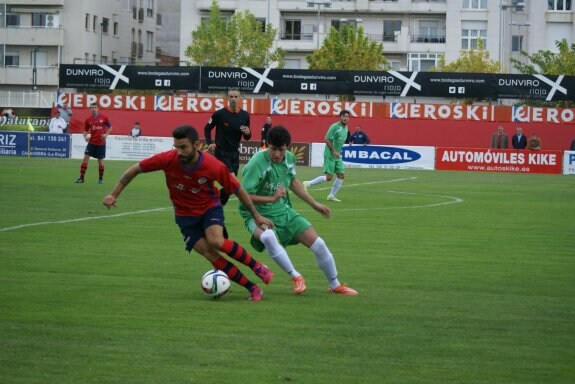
<point x="462" y="278"/>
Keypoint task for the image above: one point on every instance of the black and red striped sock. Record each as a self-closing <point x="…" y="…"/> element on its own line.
<point x="83" y="168"/>
<point x="233" y="272"/>
<point x="101" y="171"/>
<point x="237" y="252"/>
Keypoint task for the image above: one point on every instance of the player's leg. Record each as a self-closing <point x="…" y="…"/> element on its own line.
<point x="84" y="164"/>
<point x="324" y="260"/>
<point x="339" y="171"/>
<point x="267" y="238"/>
<point x="213" y="228"/>
<point x="328" y="171"/>
<point x="101" y="149"/>
<point x="193" y="232"/>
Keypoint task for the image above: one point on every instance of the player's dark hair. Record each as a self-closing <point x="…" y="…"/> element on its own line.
<point x="279" y="136"/>
<point x="343" y="112"/>
<point x="185" y="132"/>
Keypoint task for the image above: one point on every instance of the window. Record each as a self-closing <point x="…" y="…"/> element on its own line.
<point x="105" y="23"/>
<point x="469" y="38"/>
<point x="391" y="29"/>
<point x="422" y="61"/>
<point x="474" y="4"/>
<point x="94" y="23"/>
<point x="115" y="28"/>
<point x="150" y="8"/>
<point x="516" y="43"/>
<point x="395" y="65"/>
<point x="38" y="19"/>
<point x="87" y="21"/>
<point x="292" y="30"/>
<point x="12" y="19"/>
<point x="12" y="59"/>
<point x="149" y="41"/>
<point x="262" y="23"/>
<point x="559" y="5"/>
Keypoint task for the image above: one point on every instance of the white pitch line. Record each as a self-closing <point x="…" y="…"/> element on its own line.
<point x="82" y="219"/>
<point x="454" y="200"/>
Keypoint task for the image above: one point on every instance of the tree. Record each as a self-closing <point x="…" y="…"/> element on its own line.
<point x="239" y="42"/>
<point x="546" y="62"/>
<point x="470" y="60"/>
<point x="348" y="49"/>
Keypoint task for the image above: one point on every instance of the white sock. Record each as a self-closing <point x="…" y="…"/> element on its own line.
<point x="317" y="180"/>
<point x="325" y="261"/>
<point x="336" y="186"/>
<point x="277" y="252"/>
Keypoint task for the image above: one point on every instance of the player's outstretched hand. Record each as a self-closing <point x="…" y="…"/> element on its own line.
<point x="109" y="201"/>
<point x="324" y="210"/>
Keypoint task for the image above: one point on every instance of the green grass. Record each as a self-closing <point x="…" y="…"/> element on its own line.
<point x="463" y="278"/>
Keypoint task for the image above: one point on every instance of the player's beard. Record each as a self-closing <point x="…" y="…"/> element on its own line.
<point x="187" y="159"/>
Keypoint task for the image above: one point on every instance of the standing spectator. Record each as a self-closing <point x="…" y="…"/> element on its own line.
<point x="231" y="123"/>
<point x="534" y="143"/>
<point x="359" y="137"/>
<point x="66" y="114"/>
<point x="267" y="177"/>
<point x="136" y="130"/>
<point x="336" y="137"/>
<point x="499" y="139"/>
<point x="519" y="140"/>
<point x="57" y="124"/>
<point x="97" y="128"/>
<point x="190" y="177"/>
<point x="573" y="145"/>
<point x="265" y="129"/>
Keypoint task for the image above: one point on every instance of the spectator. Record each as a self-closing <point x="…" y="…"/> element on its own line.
<point x="519" y="140"/>
<point x="499" y="139"/>
<point x="573" y="145"/>
<point x="359" y="137"/>
<point x="136" y="130"/>
<point x="66" y="114"/>
<point x="534" y="143"/>
<point x="57" y="124"/>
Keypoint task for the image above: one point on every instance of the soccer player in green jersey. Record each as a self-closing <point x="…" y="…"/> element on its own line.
<point x="336" y="136"/>
<point x="267" y="177"/>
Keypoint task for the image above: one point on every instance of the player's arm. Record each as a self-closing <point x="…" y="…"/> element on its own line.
<point x="208" y="132"/>
<point x="245" y="199"/>
<point x="299" y="190"/>
<point x="108" y="129"/>
<point x="246" y="131"/>
<point x="329" y="144"/>
<point x="130" y="174"/>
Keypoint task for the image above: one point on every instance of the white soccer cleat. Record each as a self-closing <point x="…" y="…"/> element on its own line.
<point x="333" y="198"/>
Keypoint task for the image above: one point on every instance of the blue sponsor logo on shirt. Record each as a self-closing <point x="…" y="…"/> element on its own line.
<point x="367" y="154"/>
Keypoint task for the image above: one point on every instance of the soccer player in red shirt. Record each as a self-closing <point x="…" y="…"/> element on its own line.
<point x="96" y="128"/>
<point x="190" y="176"/>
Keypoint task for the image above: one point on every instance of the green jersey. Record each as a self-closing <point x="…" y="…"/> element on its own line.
<point x="262" y="177"/>
<point x="337" y="134"/>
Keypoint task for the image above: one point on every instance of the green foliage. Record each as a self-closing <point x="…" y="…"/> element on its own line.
<point x="238" y="42"/>
<point x="547" y="62"/>
<point x="470" y="60"/>
<point x="348" y="49"/>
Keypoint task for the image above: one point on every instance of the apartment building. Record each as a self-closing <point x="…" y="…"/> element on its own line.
<point x="36" y="36"/>
<point x="414" y="33"/>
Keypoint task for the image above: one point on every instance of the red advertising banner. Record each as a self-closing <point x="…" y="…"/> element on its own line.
<point x="498" y="160"/>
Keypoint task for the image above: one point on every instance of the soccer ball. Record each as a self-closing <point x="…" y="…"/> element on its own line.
<point x="215" y="283"/>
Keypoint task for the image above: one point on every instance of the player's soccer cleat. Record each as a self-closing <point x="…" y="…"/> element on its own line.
<point x="305" y="185"/>
<point x="333" y="198"/>
<point x="79" y="180"/>
<point x="264" y="273"/>
<point x="298" y="285"/>
<point x="100" y="181"/>
<point x="256" y="293"/>
<point x="343" y="290"/>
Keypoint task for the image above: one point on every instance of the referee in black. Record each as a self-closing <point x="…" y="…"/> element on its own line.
<point x="231" y="123"/>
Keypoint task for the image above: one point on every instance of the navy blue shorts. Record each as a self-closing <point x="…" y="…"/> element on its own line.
<point x="193" y="227"/>
<point x="96" y="151"/>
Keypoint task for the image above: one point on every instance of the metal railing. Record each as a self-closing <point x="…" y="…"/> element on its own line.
<point x="35" y="99"/>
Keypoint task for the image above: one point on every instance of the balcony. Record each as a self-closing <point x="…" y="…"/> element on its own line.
<point x="39" y="36"/>
<point x="37" y="3"/>
<point x="45" y="76"/>
<point x="428" y="39"/>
